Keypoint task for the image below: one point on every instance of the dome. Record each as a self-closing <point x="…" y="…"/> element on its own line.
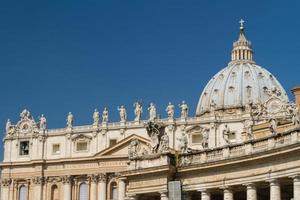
<point x="240" y="83"/>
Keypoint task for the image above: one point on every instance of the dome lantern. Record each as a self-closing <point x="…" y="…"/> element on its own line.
<point x="242" y="51"/>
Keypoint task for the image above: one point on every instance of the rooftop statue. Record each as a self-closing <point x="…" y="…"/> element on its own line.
<point x="43" y="122"/>
<point x="152" y="112"/>
<point x="9" y="127"/>
<point x="184" y="110"/>
<point x="105" y="116"/>
<point x="123" y="114"/>
<point x="96" y="117"/>
<point x="138" y="110"/>
<point x="70" y="120"/>
<point x="170" y="110"/>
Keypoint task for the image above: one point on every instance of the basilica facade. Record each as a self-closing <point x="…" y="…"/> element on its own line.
<point x="242" y="144"/>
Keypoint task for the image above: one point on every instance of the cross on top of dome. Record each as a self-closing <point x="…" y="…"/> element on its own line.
<point x="242" y="23"/>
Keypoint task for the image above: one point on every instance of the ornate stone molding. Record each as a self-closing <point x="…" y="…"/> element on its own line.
<point x="94" y="178"/>
<point x="102" y="177"/>
<point x="38" y="180"/>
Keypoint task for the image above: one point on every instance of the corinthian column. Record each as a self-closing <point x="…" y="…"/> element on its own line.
<point x="94" y="182"/>
<point x="67" y="181"/>
<point x="296" y="180"/>
<point x="122" y="188"/>
<point x="228" y="194"/>
<point x="38" y="187"/>
<point x="275" y="193"/>
<point x="102" y="187"/>
<point x="5" y="188"/>
<point x="251" y="192"/>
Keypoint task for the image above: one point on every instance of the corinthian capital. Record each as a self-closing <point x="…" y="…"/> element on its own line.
<point x="66" y="179"/>
<point x="38" y="180"/>
<point x="5" y="182"/>
<point x="94" y="178"/>
<point x="102" y="177"/>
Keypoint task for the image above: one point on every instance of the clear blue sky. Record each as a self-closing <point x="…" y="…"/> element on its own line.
<point x="61" y="56"/>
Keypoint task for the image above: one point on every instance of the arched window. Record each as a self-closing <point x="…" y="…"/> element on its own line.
<point x="114" y="191"/>
<point x="83" y="191"/>
<point x="54" y="193"/>
<point x="23" y="193"/>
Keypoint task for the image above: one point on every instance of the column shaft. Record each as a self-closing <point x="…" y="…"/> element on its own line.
<point x="205" y="195"/>
<point x="228" y="194"/>
<point x="93" y="191"/>
<point x="122" y="189"/>
<point x="297" y="188"/>
<point x="67" y="191"/>
<point x="4" y="192"/>
<point x="251" y="192"/>
<point x="38" y="192"/>
<point x="102" y="190"/>
<point x="275" y="193"/>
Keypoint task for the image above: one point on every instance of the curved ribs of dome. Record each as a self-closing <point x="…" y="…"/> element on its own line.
<point x="240" y="83"/>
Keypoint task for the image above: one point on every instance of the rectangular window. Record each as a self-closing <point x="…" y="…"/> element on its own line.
<point x="196" y="139"/>
<point x="56" y="148"/>
<point x="112" y="142"/>
<point x="24" y="148"/>
<point x="82" y="146"/>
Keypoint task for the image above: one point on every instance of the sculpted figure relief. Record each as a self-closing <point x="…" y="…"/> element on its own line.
<point x="133" y="149"/>
<point x="43" y="122"/>
<point x="164" y="143"/>
<point x="183" y="146"/>
<point x="25" y="114"/>
<point x="138" y="110"/>
<point x="70" y="120"/>
<point x="152" y="112"/>
<point x="273" y="125"/>
<point x="170" y="110"/>
<point x="105" y="116"/>
<point x="96" y="117"/>
<point x="295" y="115"/>
<point x="184" y="110"/>
<point x="205" y="137"/>
<point x="155" y="131"/>
<point x="123" y="114"/>
<point x="248" y="124"/>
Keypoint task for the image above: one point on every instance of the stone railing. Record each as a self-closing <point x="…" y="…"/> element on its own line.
<point x="239" y="150"/>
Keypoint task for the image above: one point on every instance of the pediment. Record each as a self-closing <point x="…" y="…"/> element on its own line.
<point x="81" y="137"/>
<point x="121" y="148"/>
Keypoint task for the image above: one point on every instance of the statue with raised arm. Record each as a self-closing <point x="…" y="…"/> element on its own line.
<point x="184" y="110"/>
<point x="138" y="110"/>
<point x="96" y="117"/>
<point x="43" y="122"/>
<point x="170" y="110"/>
<point x="70" y="120"/>
<point x="152" y="112"/>
<point x="123" y="114"/>
<point x="105" y="116"/>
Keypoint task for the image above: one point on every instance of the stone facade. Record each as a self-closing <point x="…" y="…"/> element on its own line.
<point x="243" y="143"/>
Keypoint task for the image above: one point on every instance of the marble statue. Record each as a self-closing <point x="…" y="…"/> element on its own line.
<point x="248" y="124"/>
<point x="25" y="114"/>
<point x="170" y="110"/>
<point x="70" y="120"/>
<point x="105" y="116"/>
<point x="43" y="122"/>
<point x="152" y="112"/>
<point x="96" y="117"/>
<point x="123" y="114"/>
<point x="295" y="116"/>
<point x="226" y="134"/>
<point x="8" y="126"/>
<point x="183" y="146"/>
<point x="155" y="132"/>
<point x="138" y="110"/>
<point x="273" y="125"/>
<point x="205" y="137"/>
<point x="133" y="149"/>
<point x="184" y="110"/>
<point x="164" y="143"/>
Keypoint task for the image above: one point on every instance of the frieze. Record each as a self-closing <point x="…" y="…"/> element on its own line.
<point x="147" y="183"/>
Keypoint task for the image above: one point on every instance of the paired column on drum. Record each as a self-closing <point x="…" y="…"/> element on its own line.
<point x="228" y="194"/>
<point x="205" y="195"/>
<point x="67" y="180"/>
<point x="102" y="187"/>
<point x="275" y="193"/>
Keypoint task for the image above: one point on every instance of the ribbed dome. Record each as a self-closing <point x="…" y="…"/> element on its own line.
<point x="237" y="85"/>
<point x="240" y="83"/>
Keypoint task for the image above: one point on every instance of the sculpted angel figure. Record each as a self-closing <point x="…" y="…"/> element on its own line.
<point x="96" y="117"/>
<point x="105" y="115"/>
<point x="170" y="110"/>
<point x="43" y="122"/>
<point x="184" y="110"/>
<point x="123" y="114"/>
<point x="138" y="110"/>
<point x="152" y="112"/>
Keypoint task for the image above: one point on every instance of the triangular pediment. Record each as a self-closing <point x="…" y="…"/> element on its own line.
<point x="121" y="148"/>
